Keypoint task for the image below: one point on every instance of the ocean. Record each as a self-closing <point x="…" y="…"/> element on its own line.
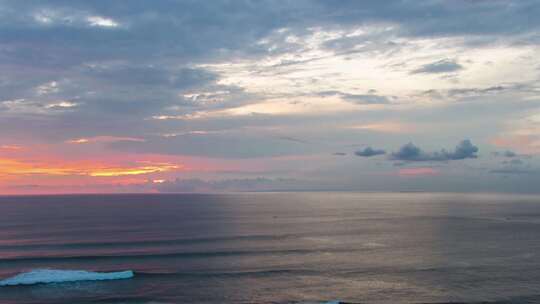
<point x="311" y="247"/>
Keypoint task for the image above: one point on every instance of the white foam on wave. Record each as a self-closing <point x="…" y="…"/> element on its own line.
<point x="59" y="276"/>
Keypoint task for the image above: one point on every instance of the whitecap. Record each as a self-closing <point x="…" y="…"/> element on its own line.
<point x="43" y="276"/>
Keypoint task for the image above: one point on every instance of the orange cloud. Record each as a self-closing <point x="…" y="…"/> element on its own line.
<point x="43" y="168"/>
<point x="16" y="167"/>
<point x="145" y="169"/>
<point x="78" y="141"/>
<point x="12" y="167"/>
<point x="412" y="172"/>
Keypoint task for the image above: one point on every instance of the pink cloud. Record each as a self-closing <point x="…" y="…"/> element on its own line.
<point x="520" y="143"/>
<point x="413" y="172"/>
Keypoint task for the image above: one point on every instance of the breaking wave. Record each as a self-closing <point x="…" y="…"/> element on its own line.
<point x="44" y="276"/>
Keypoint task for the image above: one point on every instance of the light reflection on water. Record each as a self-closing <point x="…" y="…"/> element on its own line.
<point x="276" y="247"/>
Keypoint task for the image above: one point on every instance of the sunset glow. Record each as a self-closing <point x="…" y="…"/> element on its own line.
<point x="351" y="95"/>
<point x="412" y="172"/>
<point x="269" y="151"/>
<point x="14" y="168"/>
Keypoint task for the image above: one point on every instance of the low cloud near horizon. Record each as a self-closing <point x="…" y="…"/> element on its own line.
<point x="369" y="152"/>
<point x="409" y="152"/>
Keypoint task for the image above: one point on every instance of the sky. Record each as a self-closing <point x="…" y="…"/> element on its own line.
<point x="111" y="96"/>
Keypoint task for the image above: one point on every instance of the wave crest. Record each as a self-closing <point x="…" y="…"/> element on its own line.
<point x="43" y="276"/>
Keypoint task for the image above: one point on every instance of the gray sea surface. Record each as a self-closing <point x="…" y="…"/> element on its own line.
<point x="307" y="247"/>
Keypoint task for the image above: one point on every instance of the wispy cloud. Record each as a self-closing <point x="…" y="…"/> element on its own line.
<point x="103" y="139"/>
<point x="438" y="67"/>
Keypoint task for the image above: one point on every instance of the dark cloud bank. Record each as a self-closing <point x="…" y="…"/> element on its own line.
<point x="369" y="152"/>
<point x="409" y="152"/>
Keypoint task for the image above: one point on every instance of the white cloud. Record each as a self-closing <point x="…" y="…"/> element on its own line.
<point x="101" y="21"/>
<point x="356" y="61"/>
<point x="43" y="18"/>
<point x="61" y="104"/>
<point x="103" y="139"/>
<point x="47" y="88"/>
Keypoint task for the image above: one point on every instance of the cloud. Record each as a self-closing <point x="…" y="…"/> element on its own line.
<point x="103" y="139"/>
<point x="386" y="127"/>
<point x="507" y="153"/>
<point x="238" y="144"/>
<point x="16" y="167"/>
<point x="61" y="105"/>
<point x="465" y="149"/>
<point x="469" y="92"/>
<point x="11" y="147"/>
<point x="294" y="139"/>
<point x="515" y="166"/>
<point x="358" y="98"/>
<point x="80" y="69"/>
<point x="441" y="66"/>
<point x="409" y="152"/>
<point x="166" y="77"/>
<point x="444" y="18"/>
<point x="369" y="152"/>
<point x="522" y="133"/>
<point x="416" y="172"/>
<point x="101" y="21"/>
<point x="366" y="98"/>
<point x="476" y="91"/>
<point x="141" y="168"/>
<point x="516" y="171"/>
<point x="515" y="162"/>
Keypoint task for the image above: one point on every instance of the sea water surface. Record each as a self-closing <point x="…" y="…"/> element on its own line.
<point x="272" y="248"/>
